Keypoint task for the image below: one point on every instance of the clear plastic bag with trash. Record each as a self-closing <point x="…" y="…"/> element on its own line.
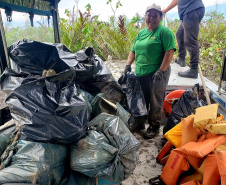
<point x="108" y="151"/>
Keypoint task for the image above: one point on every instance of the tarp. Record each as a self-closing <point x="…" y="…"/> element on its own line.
<point x="108" y="151"/>
<point x="51" y="109"/>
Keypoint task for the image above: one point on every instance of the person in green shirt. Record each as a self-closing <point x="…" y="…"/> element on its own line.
<point x="152" y="51"/>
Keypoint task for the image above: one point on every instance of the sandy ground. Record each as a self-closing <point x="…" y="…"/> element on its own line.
<point x="147" y="167"/>
<point x="2" y="100"/>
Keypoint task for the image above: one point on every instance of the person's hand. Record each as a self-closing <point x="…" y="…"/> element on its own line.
<point x="127" y="69"/>
<point x="158" y="75"/>
<point x="163" y="11"/>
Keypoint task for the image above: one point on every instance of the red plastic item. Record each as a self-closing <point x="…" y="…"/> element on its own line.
<point x="169" y="100"/>
<point x="166" y="148"/>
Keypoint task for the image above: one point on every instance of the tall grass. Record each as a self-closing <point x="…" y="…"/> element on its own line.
<point x="113" y="39"/>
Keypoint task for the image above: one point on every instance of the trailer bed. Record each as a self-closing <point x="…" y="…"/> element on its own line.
<point x="176" y="82"/>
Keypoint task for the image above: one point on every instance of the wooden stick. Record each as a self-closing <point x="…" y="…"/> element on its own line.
<point x="7" y="124"/>
<point x="110" y="103"/>
<point x="204" y="87"/>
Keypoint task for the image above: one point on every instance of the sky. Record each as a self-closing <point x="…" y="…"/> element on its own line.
<point x="128" y="8"/>
<point x="100" y="7"/>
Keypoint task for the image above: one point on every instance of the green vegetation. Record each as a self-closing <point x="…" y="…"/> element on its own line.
<point x="212" y="41"/>
<point x="116" y="37"/>
<point x="42" y="33"/>
<point x="106" y="38"/>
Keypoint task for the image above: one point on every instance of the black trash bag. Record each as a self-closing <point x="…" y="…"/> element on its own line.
<point x="134" y="95"/>
<point x="156" y="181"/>
<point x="101" y="78"/>
<point x="108" y="151"/>
<point x="184" y="107"/>
<point x="50" y="109"/>
<point x="83" y="61"/>
<point x="10" y="79"/>
<point x="4" y="115"/>
<point x="36" y="163"/>
<point x="34" y="57"/>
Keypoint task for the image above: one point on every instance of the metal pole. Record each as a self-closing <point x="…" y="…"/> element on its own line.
<point x="3" y="47"/>
<point x="56" y="23"/>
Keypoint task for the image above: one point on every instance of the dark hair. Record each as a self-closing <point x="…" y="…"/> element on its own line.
<point x="160" y="12"/>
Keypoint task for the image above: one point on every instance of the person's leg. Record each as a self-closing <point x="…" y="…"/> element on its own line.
<point x="157" y="95"/>
<point x="181" y="46"/>
<point x="191" y="23"/>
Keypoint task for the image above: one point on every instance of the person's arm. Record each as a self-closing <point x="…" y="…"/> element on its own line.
<point x="130" y="58"/>
<point x="171" y="6"/>
<point x="167" y="59"/>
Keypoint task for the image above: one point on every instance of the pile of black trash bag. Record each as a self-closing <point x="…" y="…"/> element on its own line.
<point x="184" y="107"/>
<point x="68" y="127"/>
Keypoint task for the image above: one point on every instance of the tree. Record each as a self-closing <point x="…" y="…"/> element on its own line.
<point x="117" y="5"/>
<point x="76" y="14"/>
<point x="137" y="19"/>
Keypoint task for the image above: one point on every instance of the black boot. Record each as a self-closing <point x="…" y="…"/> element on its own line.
<point x="190" y="73"/>
<point x="181" y="62"/>
<point x="152" y="131"/>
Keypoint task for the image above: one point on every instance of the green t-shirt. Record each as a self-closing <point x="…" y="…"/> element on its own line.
<point x="150" y="47"/>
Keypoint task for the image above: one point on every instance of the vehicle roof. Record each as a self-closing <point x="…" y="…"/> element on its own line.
<point x="38" y="7"/>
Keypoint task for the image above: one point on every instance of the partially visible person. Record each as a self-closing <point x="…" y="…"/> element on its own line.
<point x="191" y="13"/>
<point x="152" y="51"/>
